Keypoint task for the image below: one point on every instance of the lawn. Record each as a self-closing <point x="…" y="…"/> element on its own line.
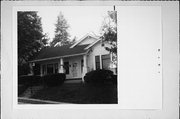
<point x="79" y="93"/>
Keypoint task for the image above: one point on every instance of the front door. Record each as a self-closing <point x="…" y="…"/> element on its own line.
<point x="75" y="69"/>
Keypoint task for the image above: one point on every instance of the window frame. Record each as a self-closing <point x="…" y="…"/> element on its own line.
<point x="96" y="66"/>
<point x="52" y="68"/>
<point x="109" y="57"/>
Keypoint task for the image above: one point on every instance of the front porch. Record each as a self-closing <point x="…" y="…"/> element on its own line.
<point x="75" y="67"/>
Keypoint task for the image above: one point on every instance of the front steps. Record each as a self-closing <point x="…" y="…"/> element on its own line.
<point x="31" y="91"/>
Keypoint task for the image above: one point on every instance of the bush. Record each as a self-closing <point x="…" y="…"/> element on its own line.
<point x="29" y="80"/>
<point x="114" y="79"/>
<point x="23" y="69"/>
<point x="54" y="79"/>
<point x="99" y="77"/>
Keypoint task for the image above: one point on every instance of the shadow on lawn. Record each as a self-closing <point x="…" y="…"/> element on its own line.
<point x="80" y="93"/>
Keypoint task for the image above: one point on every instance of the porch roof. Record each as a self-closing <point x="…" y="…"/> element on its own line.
<point x="57" y="52"/>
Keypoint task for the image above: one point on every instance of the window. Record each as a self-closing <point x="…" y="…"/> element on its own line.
<point x="82" y="63"/>
<point x="50" y="69"/>
<point x="97" y="60"/>
<point x="66" y="67"/>
<point x="56" y="68"/>
<point x="105" y="61"/>
<point x="36" y="69"/>
<point x="44" y="69"/>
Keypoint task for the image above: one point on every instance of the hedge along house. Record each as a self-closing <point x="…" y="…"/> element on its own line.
<point x="74" y="60"/>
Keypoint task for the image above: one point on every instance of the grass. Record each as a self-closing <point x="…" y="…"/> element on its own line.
<point x="79" y="93"/>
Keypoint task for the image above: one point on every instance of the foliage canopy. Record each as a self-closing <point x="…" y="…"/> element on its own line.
<point x="30" y="36"/>
<point x="61" y="32"/>
<point x="109" y="31"/>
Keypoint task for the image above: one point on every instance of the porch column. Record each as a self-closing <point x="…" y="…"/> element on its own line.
<point x="84" y="66"/>
<point x="31" y="68"/>
<point x="61" y="63"/>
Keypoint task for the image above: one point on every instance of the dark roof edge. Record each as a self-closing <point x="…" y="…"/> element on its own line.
<point x="38" y="60"/>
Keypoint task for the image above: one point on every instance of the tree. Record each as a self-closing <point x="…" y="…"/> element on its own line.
<point x="109" y="31"/>
<point x="109" y="34"/>
<point x="73" y="40"/>
<point x="45" y="39"/>
<point x="30" y="36"/>
<point x="61" y="32"/>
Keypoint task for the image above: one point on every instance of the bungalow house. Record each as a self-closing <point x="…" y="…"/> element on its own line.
<point x="75" y="60"/>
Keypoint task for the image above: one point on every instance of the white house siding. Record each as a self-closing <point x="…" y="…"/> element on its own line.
<point x="71" y="60"/>
<point x="96" y="50"/>
<point x="87" y="41"/>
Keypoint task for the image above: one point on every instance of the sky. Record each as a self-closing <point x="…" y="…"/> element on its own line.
<point x="81" y="19"/>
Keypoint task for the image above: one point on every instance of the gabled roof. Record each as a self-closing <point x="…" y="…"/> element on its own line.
<point x="82" y="39"/>
<point x="90" y="45"/>
<point x="61" y="51"/>
<point x="66" y="50"/>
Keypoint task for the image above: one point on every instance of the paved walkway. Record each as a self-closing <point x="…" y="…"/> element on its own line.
<point x="73" y="81"/>
<point x="31" y="91"/>
<point x="22" y="100"/>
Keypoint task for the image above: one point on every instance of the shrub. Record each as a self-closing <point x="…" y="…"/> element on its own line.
<point x="23" y="69"/>
<point x="100" y="76"/>
<point x="54" y="79"/>
<point x="29" y="80"/>
<point x="114" y="79"/>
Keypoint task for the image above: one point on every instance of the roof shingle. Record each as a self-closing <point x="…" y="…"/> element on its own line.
<point x="61" y="51"/>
